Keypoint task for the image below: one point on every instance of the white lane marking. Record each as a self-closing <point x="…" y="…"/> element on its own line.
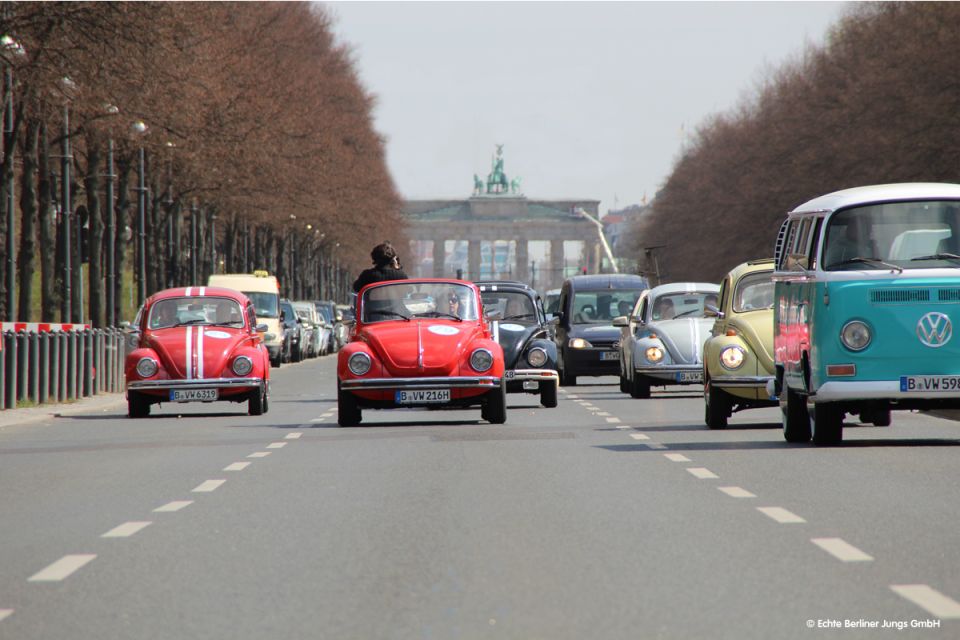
<point x="62" y="568"/>
<point x="126" y="529"/>
<point x="293" y="436"/>
<point x="189" y="368"/>
<point x="572" y="397"/>
<point x="737" y="492"/>
<point x="276" y="445"/>
<point x="702" y="473"/>
<point x="176" y="505"/>
<point x="5" y="613"/>
<point x="623" y="426"/>
<point x="333" y="409"/>
<point x="612" y="420"/>
<point x="780" y="514"/>
<point x="259" y="454"/>
<point x="208" y="486"/>
<point x="236" y="466"/>
<point x="603" y="413"/>
<point x="841" y="550"/>
<point x="320" y="419"/>
<point x="676" y="457"/>
<point x="639" y="436"/>
<point x="655" y="445"/>
<point x="929" y="599"/>
<point x="200" y="351"/>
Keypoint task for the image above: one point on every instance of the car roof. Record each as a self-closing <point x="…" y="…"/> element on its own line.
<point x="683" y="287"/>
<point x="194" y="292"/>
<point x="608" y="281"/>
<point x="505" y="285"/>
<point x="879" y="193"/>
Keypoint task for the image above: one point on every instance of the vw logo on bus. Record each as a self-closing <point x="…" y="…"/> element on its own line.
<point x="934" y="329"/>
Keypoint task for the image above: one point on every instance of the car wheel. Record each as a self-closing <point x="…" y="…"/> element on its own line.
<point x="793" y="414"/>
<point x="494" y="407"/>
<point x="137" y="407"/>
<point x="348" y="410"/>
<point x="256" y="403"/>
<point x="826" y="423"/>
<point x="717" y="407"/>
<point x="879" y="418"/>
<point x="624" y="384"/>
<point x="276" y="362"/>
<point x="640" y="388"/>
<point x="548" y="393"/>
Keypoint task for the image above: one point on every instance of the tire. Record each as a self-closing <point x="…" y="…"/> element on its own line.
<point x="256" y="405"/>
<point x="624" y="384"/>
<point x="348" y="411"/>
<point x="276" y="362"/>
<point x="879" y="418"/>
<point x="137" y="407"/>
<point x="566" y="380"/>
<point x="640" y="387"/>
<point x="717" y="407"/>
<point x="548" y="394"/>
<point x="826" y="423"/>
<point x="793" y="411"/>
<point x="494" y="407"/>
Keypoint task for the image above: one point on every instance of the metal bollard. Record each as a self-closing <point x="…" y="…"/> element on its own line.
<point x="71" y="365"/>
<point x="10" y="356"/>
<point x="86" y="369"/>
<point x="3" y="373"/>
<point x="23" y="368"/>
<point x="43" y="390"/>
<point x="63" y="339"/>
<point x="33" y="389"/>
<point x="98" y="368"/>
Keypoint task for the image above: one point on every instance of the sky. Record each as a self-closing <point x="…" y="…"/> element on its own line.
<point x="590" y="100"/>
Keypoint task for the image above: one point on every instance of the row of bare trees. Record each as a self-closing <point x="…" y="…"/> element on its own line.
<point x="877" y="103"/>
<point x="246" y="121"/>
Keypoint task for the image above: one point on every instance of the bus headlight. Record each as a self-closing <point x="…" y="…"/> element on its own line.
<point x="855" y="335"/>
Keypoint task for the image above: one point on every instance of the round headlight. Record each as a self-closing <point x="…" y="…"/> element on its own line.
<point x="579" y="343"/>
<point x="537" y="357"/>
<point x="855" y="335"/>
<point x="242" y="365"/>
<point x="359" y="363"/>
<point x="147" y="367"/>
<point x="731" y="357"/>
<point x="481" y="360"/>
<point x="654" y="354"/>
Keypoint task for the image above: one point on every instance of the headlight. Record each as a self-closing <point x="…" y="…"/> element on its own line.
<point x="359" y="363"/>
<point x="855" y="335"/>
<point x="654" y="354"/>
<point x="537" y="357"/>
<point x="731" y="357"/>
<point x="147" y="367"/>
<point x="579" y="343"/>
<point x="481" y="360"/>
<point x="242" y="365"/>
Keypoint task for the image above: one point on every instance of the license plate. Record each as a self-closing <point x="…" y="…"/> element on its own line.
<point x="509" y="374"/>
<point x="690" y="376"/>
<point x="422" y="396"/>
<point x="927" y="384"/>
<point x="193" y="395"/>
<point x="609" y="355"/>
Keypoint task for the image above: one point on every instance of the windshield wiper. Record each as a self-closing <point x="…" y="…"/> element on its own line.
<point x="870" y="261"/>
<point x="437" y="314"/>
<point x="194" y="321"/>
<point x="517" y="317"/>
<point x="938" y="256"/>
<point x="227" y="324"/>
<point x="686" y="313"/>
<point x="387" y="312"/>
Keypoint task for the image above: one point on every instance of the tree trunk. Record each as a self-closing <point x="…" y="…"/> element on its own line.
<point x="49" y="296"/>
<point x="124" y="240"/>
<point x="28" y="213"/>
<point x="95" y="236"/>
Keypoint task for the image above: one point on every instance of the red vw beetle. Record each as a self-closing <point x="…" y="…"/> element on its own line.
<point x="420" y="343"/>
<point x="198" y="344"/>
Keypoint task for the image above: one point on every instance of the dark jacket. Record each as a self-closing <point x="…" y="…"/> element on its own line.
<point x="377" y="274"/>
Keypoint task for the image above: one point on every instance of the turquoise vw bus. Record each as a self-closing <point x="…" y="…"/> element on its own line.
<point x="867" y="290"/>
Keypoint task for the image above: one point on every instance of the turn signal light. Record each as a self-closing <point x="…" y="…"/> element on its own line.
<point x="731" y="333"/>
<point x="841" y="369"/>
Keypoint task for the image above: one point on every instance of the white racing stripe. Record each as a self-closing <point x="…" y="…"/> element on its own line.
<point x="737" y="492"/>
<point x="929" y="599"/>
<point x="200" y="351"/>
<point x="126" y="529"/>
<point x="702" y="473"/>
<point x="62" y="568"/>
<point x="189" y="368"/>
<point x="841" y="550"/>
<point x="176" y="505"/>
<point x="187" y="292"/>
<point x="203" y="291"/>
<point x="676" y="457"/>
<point x="781" y="515"/>
<point x="208" y="485"/>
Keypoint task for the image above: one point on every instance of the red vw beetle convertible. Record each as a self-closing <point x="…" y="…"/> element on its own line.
<point x="420" y="343"/>
<point x="198" y="344"/>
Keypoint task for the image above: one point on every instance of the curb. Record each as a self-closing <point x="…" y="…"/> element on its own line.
<point x="100" y="402"/>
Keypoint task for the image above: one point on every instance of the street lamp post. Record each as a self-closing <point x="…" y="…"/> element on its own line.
<point x="66" y="310"/>
<point x="111" y="240"/>
<point x="193" y="242"/>
<point x="141" y="229"/>
<point x="11" y="220"/>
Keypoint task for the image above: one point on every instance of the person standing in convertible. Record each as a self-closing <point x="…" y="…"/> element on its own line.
<point x="386" y="266"/>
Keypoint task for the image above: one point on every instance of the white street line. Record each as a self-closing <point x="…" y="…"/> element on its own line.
<point x="62" y="568"/>
<point x="702" y="473"/>
<point x="5" y="613"/>
<point x="603" y="413"/>
<point x="126" y="529"/>
<point x="333" y="410"/>
<point x="639" y="436"/>
<point x="929" y="599"/>
<point x="572" y="397"/>
<point x="841" y="550"/>
<point x="320" y="419"/>
<point x="676" y="457"/>
<point x="655" y="445"/>
<point x="208" y="486"/>
<point x="259" y="454"/>
<point x="736" y="492"/>
<point x="624" y="426"/>
<point x="176" y="505"/>
<point x="236" y="466"/>
<point x="780" y="514"/>
<point x="276" y="445"/>
<point x="612" y="420"/>
<point x="293" y="436"/>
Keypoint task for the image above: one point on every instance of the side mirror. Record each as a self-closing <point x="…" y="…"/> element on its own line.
<point x="493" y="314"/>
<point x="710" y="311"/>
<point x="556" y="320"/>
<point x="262" y="328"/>
<point x="621" y="321"/>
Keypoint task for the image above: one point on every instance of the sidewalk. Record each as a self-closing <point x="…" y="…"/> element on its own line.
<point x="102" y="402"/>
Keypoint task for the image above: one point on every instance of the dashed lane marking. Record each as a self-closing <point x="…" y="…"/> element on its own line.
<point x="612" y="420"/>
<point x="321" y="419"/>
<point x="702" y="473"/>
<point x="236" y="466"/>
<point x="656" y="445"/>
<point x="5" y="613"/>
<point x="259" y="454"/>
<point x="623" y="426"/>
<point x="676" y="457"/>
<point x="736" y="492"/>
<point x="126" y="529"/>
<point x="603" y="413"/>
<point x="62" y="568"/>
<point x="780" y="515"/>
<point x="276" y="445"/>
<point x="639" y="436"/>
<point x="293" y="436"/>
<point x="176" y="505"/>
<point x="929" y="599"/>
<point x="208" y="486"/>
<point x="841" y="550"/>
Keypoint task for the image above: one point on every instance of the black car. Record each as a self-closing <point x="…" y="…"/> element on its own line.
<point x="293" y="333"/>
<point x="585" y="337"/>
<point x="529" y="354"/>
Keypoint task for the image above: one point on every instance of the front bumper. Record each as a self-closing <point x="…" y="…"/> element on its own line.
<point x="436" y="382"/>
<point x="836" y="391"/>
<point x="741" y="382"/>
<point x="673" y="373"/>
<point x="531" y="374"/>
<point x="197" y="383"/>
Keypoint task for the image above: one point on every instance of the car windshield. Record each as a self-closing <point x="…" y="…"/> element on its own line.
<point x="325" y="313"/>
<point x="754" y="291"/>
<point x="513" y="306"/>
<point x="682" y="304"/>
<point x="406" y="300"/>
<point x="900" y="235"/>
<point x="266" y="304"/>
<point x="601" y="307"/>
<point x="174" y="312"/>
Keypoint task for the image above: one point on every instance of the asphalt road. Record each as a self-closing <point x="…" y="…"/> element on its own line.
<point x="606" y="517"/>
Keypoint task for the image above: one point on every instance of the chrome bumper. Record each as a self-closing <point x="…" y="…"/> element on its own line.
<point x="741" y="382"/>
<point x="875" y="390"/>
<point x="670" y="371"/>
<point x="197" y="383"/>
<point x="531" y="374"/>
<point x="440" y="382"/>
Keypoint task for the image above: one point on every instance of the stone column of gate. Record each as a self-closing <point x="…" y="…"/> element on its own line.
<point x="593" y="260"/>
<point x="439" y="256"/>
<point x="473" y="260"/>
<point x="556" y="264"/>
<point x="521" y="270"/>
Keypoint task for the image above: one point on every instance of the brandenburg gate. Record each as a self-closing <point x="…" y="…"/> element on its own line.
<point x="498" y="212"/>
